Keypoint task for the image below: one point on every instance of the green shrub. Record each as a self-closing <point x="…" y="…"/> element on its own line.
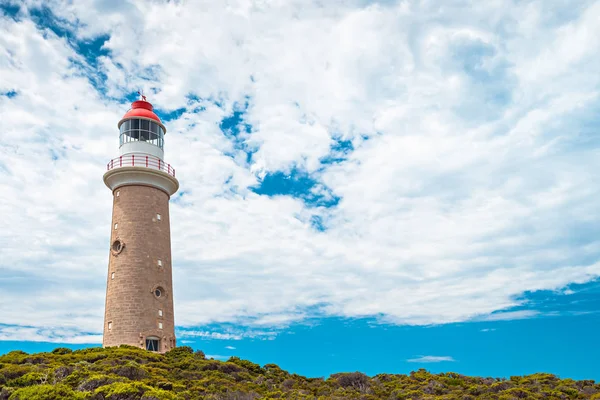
<point x="354" y="380"/>
<point x="158" y="394"/>
<point x="229" y="368"/>
<point x="130" y="373"/>
<point x="179" y="353"/>
<point x="131" y="370"/>
<point x="61" y="373"/>
<point x="62" y="351"/>
<point x="30" y="379"/>
<point x="14" y="357"/>
<point x="569" y="391"/>
<point x="94" y="382"/>
<point x="5" y="393"/>
<point x="123" y="391"/>
<point x="45" y="392"/>
<point x="10" y="372"/>
<point x="200" y="354"/>
<point x="249" y="365"/>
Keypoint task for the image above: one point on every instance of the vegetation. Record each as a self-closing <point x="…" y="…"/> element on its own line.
<point x="126" y="373"/>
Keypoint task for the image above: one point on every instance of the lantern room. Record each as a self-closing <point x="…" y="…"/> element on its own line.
<point x="141" y="131"/>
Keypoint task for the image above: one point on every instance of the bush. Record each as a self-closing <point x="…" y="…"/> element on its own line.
<point x="36" y="359"/>
<point x="14" y="357"/>
<point x="179" y="353"/>
<point x="94" y="382"/>
<point x="45" y="392"/>
<point x="249" y="365"/>
<point x="355" y="380"/>
<point x="238" y="396"/>
<point x="229" y="368"/>
<point x="130" y="373"/>
<point x="5" y="393"/>
<point x="158" y="394"/>
<point x="165" y="385"/>
<point x="30" y="379"/>
<point x="200" y="354"/>
<point x="569" y="391"/>
<point x="501" y="386"/>
<point x="61" y="373"/>
<point x="62" y="351"/>
<point x="14" y="371"/>
<point x="435" y="387"/>
<point x="123" y="391"/>
<point x="517" y="393"/>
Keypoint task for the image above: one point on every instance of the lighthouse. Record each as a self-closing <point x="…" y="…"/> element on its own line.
<point x="139" y="289"/>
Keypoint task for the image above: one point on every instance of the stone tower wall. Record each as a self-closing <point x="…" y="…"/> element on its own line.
<point x="132" y="308"/>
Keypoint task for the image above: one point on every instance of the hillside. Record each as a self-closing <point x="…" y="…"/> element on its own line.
<point x="128" y="373"/>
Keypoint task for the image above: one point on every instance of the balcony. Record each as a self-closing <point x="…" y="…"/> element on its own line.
<point x="132" y="160"/>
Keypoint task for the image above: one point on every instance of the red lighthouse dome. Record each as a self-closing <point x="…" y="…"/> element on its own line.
<point x="142" y="109"/>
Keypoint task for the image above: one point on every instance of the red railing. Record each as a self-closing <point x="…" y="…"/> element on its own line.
<point x="131" y="160"/>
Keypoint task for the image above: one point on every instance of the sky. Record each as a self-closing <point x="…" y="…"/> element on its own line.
<point x="378" y="186"/>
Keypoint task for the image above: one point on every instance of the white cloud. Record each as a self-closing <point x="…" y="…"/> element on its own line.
<point x="230" y="347"/>
<point x="50" y="334"/>
<point x="511" y="315"/>
<point x="471" y="172"/>
<point x="228" y="334"/>
<point x="431" y="359"/>
<point x="211" y="335"/>
<point x="488" y="330"/>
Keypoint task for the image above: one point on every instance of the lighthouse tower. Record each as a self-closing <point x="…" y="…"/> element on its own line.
<point x="139" y="289"/>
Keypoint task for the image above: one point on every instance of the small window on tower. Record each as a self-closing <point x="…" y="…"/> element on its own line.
<point x="160" y="325"/>
<point x="116" y="225"/>
<point x="152" y="344"/>
<point x="160" y="313"/>
<point x="112" y="276"/>
<point x="109" y="326"/>
<point x="117" y="247"/>
<point x="118" y="193"/>
<point x="158" y="292"/>
<point x="158" y="217"/>
<point x="160" y="263"/>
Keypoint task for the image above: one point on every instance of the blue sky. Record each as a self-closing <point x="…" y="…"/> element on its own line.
<point x="381" y="186"/>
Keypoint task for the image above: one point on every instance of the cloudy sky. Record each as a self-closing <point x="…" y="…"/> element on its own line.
<point x="382" y="184"/>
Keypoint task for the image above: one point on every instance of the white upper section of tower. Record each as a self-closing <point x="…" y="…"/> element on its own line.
<point x="141" y="154"/>
<point x="140" y="135"/>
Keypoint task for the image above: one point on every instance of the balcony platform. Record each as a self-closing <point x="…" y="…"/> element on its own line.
<point x="141" y="170"/>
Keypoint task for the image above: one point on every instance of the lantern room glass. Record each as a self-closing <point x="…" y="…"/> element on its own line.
<point x="141" y="130"/>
